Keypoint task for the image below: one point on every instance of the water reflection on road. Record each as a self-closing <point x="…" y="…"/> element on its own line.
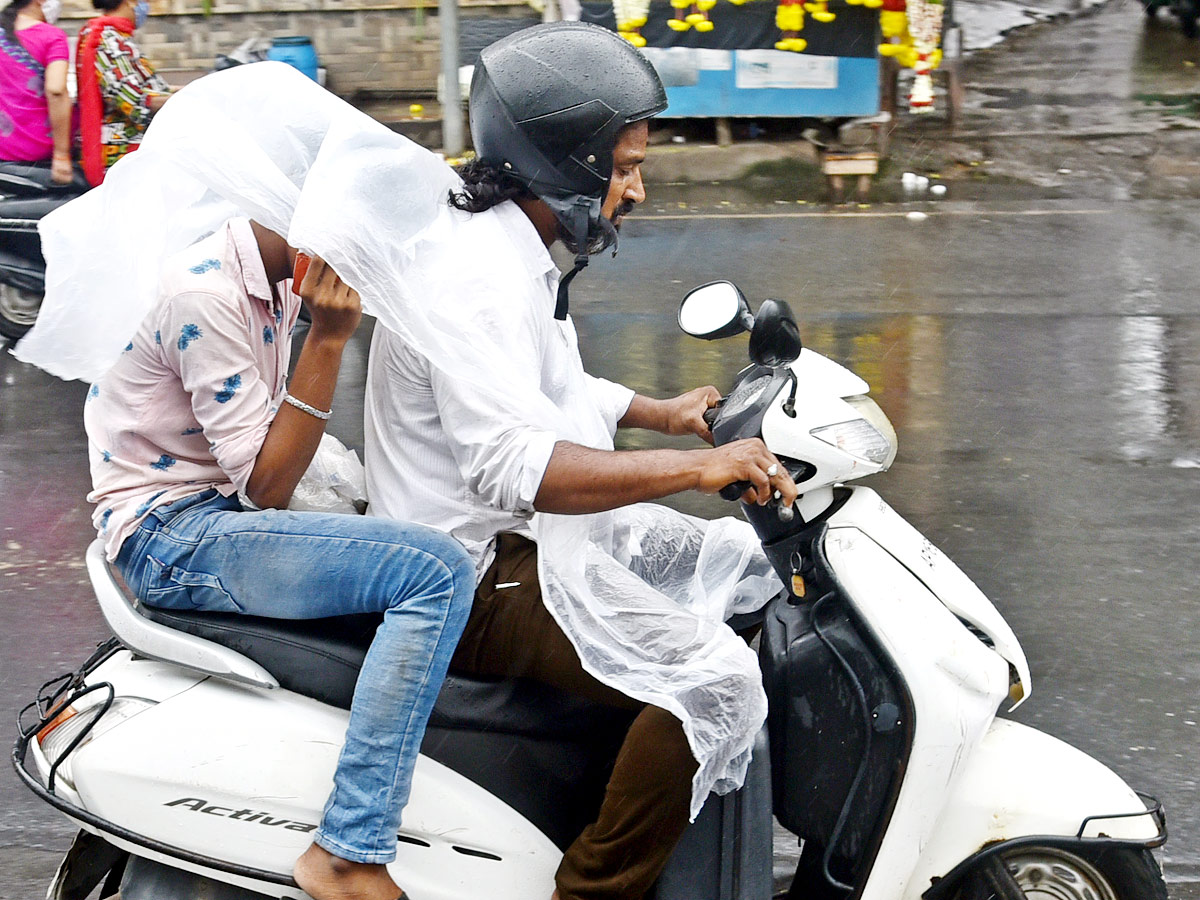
<point x="1042" y="368"/>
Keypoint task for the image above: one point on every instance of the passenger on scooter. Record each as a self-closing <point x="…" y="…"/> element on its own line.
<point x="35" y="108"/>
<point x="119" y="91"/>
<point x="197" y="443"/>
<point x="559" y="121"/>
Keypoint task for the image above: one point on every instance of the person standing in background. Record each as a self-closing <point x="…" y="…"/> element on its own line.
<point x="119" y="91"/>
<point x="35" y="108"/>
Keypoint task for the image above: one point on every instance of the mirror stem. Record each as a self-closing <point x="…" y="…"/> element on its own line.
<point x="789" y="405"/>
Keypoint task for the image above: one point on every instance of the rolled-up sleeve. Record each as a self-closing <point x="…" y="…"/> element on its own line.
<point x="204" y="341"/>
<point x="501" y="456"/>
<point x="611" y="398"/>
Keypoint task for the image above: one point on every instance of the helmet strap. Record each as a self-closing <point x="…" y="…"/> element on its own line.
<point x="579" y="227"/>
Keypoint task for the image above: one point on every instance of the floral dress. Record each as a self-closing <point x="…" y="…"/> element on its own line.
<point x="127" y="81"/>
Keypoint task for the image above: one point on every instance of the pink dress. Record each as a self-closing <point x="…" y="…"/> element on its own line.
<point x="24" y="115"/>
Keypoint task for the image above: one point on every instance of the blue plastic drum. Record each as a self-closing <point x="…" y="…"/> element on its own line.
<point x="296" y="51"/>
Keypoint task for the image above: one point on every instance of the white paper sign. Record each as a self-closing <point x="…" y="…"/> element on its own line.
<point x="676" y="66"/>
<point x="715" y="60"/>
<point x="781" y="69"/>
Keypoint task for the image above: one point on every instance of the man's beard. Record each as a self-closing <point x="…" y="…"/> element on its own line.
<point x="598" y="236"/>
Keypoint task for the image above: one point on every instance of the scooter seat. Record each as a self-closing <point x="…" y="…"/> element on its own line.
<point x="321" y="658"/>
<point x="33" y="208"/>
<point x="28" y="178"/>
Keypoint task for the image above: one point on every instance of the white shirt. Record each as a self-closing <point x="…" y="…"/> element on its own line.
<point x="438" y="453"/>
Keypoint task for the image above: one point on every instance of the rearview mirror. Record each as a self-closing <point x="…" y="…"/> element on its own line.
<point x="715" y="310"/>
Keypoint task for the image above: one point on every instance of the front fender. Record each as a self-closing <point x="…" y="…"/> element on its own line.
<point x="22" y="272"/>
<point x="1022" y="783"/>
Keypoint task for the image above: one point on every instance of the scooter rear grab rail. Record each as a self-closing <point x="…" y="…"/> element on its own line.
<point x="158" y="642"/>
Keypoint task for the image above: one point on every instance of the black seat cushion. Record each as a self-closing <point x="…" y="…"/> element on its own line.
<point x="321" y="658"/>
<point x="32" y="179"/>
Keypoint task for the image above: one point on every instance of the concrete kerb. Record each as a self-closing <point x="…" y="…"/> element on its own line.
<point x="676" y="163"/>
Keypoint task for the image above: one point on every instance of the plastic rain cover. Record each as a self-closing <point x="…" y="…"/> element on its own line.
<point x="642" y="592"/>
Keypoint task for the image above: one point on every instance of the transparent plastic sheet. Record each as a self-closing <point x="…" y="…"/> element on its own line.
<point x="641" y="592"/>
<point x="334" y="482"/>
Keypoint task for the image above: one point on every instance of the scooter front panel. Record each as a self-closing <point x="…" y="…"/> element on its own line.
<point x="956" y="683"/>
<point x="870" y="513"/>
<point x="1021" y="782"/>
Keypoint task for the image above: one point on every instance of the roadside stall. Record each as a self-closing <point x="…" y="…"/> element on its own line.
<point x="756" y="58"/>
<point x="821" y="59"/>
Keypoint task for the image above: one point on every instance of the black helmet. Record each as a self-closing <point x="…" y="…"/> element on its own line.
<point x="546" y="105"/>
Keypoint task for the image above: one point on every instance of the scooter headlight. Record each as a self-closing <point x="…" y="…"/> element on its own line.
<point x="869" y="437"/>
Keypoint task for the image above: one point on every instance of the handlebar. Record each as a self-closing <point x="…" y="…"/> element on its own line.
<point x="735" y="489"/>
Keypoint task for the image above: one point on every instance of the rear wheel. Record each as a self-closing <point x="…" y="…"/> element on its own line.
<point x="1050" y="873"/>
<point x="18" y="310"/>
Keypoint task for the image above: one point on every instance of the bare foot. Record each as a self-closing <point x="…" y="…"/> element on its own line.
<point x="324" y="876"/>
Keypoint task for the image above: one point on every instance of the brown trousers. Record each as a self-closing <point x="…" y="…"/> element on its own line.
<point x="645" y="810"/>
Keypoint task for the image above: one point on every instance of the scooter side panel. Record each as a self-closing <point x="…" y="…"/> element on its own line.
<point x="242" y="774"/>
<point x="1020" y="782"/>
<point x="955" y="681"/>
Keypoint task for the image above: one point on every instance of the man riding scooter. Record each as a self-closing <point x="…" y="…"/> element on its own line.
<point x="559" y="121"/>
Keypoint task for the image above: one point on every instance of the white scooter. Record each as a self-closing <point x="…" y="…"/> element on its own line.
<point x="196" y="750"/>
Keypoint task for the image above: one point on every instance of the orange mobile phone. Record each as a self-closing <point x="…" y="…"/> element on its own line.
<point x="300" y="269"/>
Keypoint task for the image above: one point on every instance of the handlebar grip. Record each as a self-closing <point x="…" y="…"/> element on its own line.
<point x="735" y="490"/>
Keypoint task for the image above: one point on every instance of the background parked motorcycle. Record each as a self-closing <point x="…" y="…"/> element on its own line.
<point x="26" y="194"/>
<point x="1187" y="11"/>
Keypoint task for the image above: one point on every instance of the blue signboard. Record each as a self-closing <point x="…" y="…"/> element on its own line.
<point x="765" y="83"/>
<point x="733" y="68"/>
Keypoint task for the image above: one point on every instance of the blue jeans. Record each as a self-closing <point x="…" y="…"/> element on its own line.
<point x="204" y="552"/>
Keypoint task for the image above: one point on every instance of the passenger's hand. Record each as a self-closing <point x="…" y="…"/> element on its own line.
<point x="685" y="413"/>
<point x="61" y="171"/>
<point x="335" y="306"/>
<point x="157" y="101"/>
<point x="747" y="460"/>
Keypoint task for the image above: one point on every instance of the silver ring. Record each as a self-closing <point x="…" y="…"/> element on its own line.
<point x="772" y="470"/>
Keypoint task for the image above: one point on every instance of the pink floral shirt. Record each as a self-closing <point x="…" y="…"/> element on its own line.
<point x="188" y="404"/>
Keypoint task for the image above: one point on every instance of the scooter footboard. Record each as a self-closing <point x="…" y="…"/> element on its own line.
<point x="1021" y="783"/>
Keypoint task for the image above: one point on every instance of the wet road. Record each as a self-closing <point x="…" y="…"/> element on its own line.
<point x="1042" y="367"/>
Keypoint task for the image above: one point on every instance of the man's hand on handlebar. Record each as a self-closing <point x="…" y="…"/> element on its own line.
<point x="685" y="413"/>
<point x="748" y="461"/>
